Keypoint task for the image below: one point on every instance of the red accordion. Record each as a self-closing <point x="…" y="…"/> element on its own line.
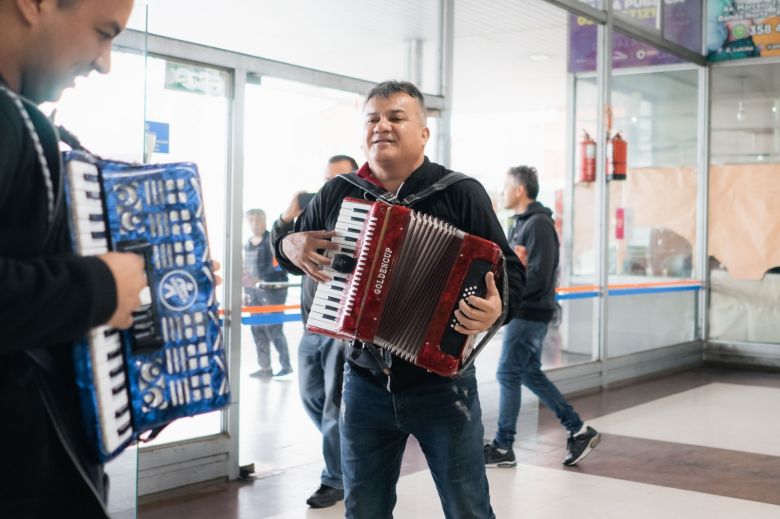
<point x="397" y="279"/>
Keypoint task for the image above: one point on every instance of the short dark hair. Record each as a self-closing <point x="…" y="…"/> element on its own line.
<point x="255" y="212"/>
<point x="526" y="176"/>
<point x="340" y="158"/>
<point x="385" y="89"/>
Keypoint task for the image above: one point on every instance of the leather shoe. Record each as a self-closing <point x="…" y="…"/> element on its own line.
<point x="325" y="496"/>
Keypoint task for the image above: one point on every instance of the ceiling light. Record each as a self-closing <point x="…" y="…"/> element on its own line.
<point x="539" y="57"/>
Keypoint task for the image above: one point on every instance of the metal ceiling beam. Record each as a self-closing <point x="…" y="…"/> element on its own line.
<point x="227" y="59"/>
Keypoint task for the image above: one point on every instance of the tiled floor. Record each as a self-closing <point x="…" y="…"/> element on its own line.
<point x="697" y="444"/>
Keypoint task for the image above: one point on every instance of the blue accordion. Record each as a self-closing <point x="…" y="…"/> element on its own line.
<point x="171" y="363"/>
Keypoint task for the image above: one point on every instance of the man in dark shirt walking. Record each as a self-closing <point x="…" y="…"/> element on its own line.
<point x="535" y="241"/>
<point x="320" y="363"/>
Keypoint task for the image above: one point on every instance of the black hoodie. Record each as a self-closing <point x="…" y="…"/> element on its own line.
<point x="535" y="230"/>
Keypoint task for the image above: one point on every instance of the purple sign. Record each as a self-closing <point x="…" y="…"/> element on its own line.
<point x="682" y="26"/>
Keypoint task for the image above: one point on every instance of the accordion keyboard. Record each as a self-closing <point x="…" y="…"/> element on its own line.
<point x="105" y="345"/>
<point x="325" y="307"/>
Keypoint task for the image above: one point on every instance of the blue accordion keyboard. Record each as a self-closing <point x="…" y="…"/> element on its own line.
<point x="171" y="363"/>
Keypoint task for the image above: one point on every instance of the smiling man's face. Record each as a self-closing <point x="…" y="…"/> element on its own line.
<point x="395" y="131"/>
<point x="67" y="42"/>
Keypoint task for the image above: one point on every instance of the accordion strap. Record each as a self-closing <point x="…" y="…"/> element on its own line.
<point x="383" y="196"/>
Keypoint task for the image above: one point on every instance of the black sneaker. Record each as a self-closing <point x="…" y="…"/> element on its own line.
<point x="262" y="373"/>
<point x="496" y="458"/>
<point x="284" y="371"/>
<point x="580" y="446"/>
<point x="325" y="496"/>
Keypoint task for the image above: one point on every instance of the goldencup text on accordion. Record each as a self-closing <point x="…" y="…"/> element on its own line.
<point x="397" y="281"/>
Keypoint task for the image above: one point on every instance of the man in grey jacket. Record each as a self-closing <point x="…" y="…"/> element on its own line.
<point x="535" y="241"/>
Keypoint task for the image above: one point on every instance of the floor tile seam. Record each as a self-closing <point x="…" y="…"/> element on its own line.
<point x="540" y="463"/>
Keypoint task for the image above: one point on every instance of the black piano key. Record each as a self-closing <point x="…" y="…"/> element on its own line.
<point x="96" y="218"/>
<point x="332" y="308"/>
<point x="92" y="195"/>
<point x="91" y="177"/>
<point x="351" y="252"/>
<point x="123" y="410"/>
<point x="333" y="299"/>
<point x="143" y="326"/>
<point x="118" y="389"/>
<point x="122" y="430"/>
<point x="328" y="317"/>
<point x="114" y="354"/>
<point x="116" y="371"/>
<point x="110" y="331"/>
<point x="99" y="235"/>
<point x="349" y="239"/>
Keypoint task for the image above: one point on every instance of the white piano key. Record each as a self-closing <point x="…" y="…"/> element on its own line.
<point x="109" y="403"/>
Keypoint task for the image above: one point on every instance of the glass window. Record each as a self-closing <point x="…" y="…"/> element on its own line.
<point x="652" y="167"/>
<point x="368" y="40"/>
<point x="514" y="112"/>
<point x="291" y="130"/>
<point x="743" y="213"/>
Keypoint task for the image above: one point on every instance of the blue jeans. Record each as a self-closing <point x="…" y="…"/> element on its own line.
<point x="320" y="368"/>
<point x="445" y="418"/>
<point x="521" y="364"/>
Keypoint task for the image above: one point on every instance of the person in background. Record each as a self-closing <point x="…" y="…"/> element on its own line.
<point x="320" y="364"/>
<point x="265" y="284"/>
<point x="535" y="242"/>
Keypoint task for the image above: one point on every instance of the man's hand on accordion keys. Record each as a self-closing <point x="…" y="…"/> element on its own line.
<point x="477" y="314"/>
<point x="130" y="279"/>
<point x="302" y="248"/>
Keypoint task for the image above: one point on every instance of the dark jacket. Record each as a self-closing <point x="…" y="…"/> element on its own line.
<point x="259" y="260"/>
<point x="535" y="230"/>
<point x="48" y="298"/>
<point x="465" y="205"/>
<point x="308" y="285"/>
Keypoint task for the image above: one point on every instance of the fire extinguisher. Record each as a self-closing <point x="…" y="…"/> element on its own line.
<point x="588" y="164"/>
<point x="618" y="151"/>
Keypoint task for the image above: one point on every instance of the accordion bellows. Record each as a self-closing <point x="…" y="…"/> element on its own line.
<point x="410" y="271"/>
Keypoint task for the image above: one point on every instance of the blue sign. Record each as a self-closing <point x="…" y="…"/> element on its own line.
<point x="161" y="133"/>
